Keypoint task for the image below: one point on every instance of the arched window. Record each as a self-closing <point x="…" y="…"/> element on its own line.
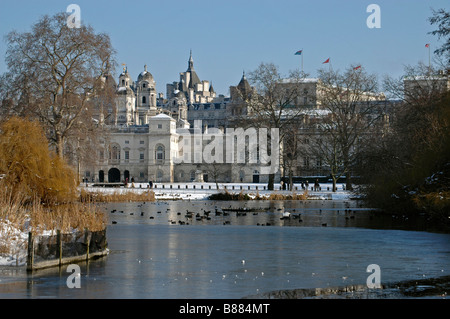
<point x="160" y="153"/>
<point x="144" y="100"/>
<point x="114" y="152"/>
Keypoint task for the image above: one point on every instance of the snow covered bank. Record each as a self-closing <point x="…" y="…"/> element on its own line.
<point x="201" y="191"/>
<point x="13" y="245"/>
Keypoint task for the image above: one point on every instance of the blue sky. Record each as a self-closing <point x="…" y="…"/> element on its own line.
<point x="230" y="36"/>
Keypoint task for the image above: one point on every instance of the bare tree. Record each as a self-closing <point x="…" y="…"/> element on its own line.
<point x="441" y="18"/>
<point x="54" y="73"/>
<point x="352" y="102"/>
<point x="291" y="152"/>
<point x="275" y="102"/>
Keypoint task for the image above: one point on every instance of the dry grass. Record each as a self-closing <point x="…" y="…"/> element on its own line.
<point x="67" y="217"/>
<point x="293" y="196"/>
<point x="116" y="197"/>
<point x="38" y="217"/>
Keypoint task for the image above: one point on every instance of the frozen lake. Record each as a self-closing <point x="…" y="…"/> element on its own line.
<point x="153" y="255"/>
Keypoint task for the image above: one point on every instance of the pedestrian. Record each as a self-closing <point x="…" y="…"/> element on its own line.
<point x="316" y="185"/>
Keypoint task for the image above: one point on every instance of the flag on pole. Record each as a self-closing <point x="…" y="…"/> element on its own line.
<point x="427" y="45"/>
<point x="327" y="61"/>
<point x="299" y="52"/>
<point x="356" y="68"/>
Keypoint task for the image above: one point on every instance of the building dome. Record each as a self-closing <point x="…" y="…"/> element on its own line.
<point x="146" y="76"/>
<point x="124" y="91"/>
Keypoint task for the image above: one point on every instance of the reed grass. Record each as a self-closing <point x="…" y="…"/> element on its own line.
<point x="116" y="197"/>
<point x="36" y="217"/>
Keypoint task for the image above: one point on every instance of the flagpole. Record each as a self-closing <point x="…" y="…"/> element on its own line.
<point x="302" y="61"/>
<point x="429" y="58"/>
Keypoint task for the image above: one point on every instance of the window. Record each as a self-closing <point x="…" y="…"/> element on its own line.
<point x="127" y="155"/>
<point x="319" y="163"/>
<point x="160" y="153"/>
<point x="143" y="85"/>
<point x="141" y="175"/>
<point x="141" y="142"/>
<point x="159" y="126"/>
<point x="101" y="155"/>
<point x="114" y="152"/>
<point x="127" y="142"/>
<point x="144" y="100"/>
<point x="306" y="162"/>
<point x="141" y="156"/>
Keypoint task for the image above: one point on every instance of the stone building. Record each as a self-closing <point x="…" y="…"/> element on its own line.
<point x="195" y="90"/>
<point x="155" y="139"/>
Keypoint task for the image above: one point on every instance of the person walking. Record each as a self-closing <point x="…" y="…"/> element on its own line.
<point x="316" y="185"/>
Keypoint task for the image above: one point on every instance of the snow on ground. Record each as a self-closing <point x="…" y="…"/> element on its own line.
<point x="14" y="242"/>
<point x="13" y="245"/>
<point x="194" y="191"/>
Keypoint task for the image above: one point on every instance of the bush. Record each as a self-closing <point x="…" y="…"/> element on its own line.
<point x="29" y="168"/>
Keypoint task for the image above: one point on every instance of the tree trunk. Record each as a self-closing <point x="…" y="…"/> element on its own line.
<point x="270" y="186"/>
<point x="334" y="183"/>
<point x="291" y="181"/>
<point x="59" y="145"/>
<point x="217" y="183"/>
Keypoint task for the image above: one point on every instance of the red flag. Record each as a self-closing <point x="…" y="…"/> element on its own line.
<point x="427" y="45"/>
<point x="327" y="61"/>
<point x="356" y="68"/>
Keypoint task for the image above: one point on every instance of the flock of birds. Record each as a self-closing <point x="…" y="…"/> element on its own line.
<point x="203" y="214"/>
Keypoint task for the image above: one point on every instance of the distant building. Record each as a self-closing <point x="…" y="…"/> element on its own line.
<point x="426" y="85"/>
<point x="195" y="90"/>
<point x="152" y="138"/>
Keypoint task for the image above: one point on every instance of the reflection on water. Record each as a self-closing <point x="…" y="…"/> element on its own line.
<point x="153" y="255"/>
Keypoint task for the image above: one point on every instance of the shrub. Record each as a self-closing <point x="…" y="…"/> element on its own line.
<point x="29" y="168"/>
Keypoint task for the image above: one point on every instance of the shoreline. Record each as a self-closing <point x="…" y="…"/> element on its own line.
<point x="202" y="191"/>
